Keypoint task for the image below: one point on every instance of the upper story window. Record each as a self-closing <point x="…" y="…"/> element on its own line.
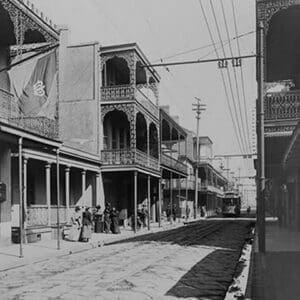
<point x="115" y="72"/>
<point x="283" y="47"/>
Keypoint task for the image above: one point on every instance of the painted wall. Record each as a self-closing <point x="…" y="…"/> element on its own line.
<point x="79" y="106"/>
<point x="5" y="207"/>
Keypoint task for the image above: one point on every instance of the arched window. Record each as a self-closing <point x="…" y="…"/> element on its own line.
<point x="153" y="139"/>
<point x="116" y="130"/>
<point x="115" y="72"/>
<point x="141" y="132"/>
<point x="283" y="46"/>
<point x="141" y="77"/>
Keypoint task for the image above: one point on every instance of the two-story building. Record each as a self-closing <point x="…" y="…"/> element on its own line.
<point x="48" y="122"/>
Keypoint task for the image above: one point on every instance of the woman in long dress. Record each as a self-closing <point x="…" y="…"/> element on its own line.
<point x="107" y="218"/>
<point x="86" y="232"/>
<point x="76" y="225"/>
<point x="114" y="215"/>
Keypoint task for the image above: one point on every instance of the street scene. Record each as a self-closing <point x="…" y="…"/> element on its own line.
<point x="165" y="265"/>
<point x="149" y="149"/>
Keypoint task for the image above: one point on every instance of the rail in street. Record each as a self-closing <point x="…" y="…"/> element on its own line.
<point x="197" y="260"/>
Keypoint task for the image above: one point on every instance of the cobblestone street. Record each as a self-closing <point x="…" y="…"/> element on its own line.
<point x="161" y="265"/>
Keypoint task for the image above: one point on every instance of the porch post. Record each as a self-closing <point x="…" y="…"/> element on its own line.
<point x="149" y="202"/>
<point x="186" y="198"/>
<point x="83" y="180"/>
<point x="98" y="202"/>
<point x="67" y="179"/>
<point x="148" y="145"/>
<point x="171" y="198"/>
<point x="48" y="191"/>
<point x="135" y="201"/>
<point x="159" y="202"/>
<point x="25" y="161"/>
<point x="21" y="197"/>
<point x="179" y="193"/>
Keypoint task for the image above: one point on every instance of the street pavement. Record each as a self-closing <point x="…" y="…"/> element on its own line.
<point x="160" y="265"/>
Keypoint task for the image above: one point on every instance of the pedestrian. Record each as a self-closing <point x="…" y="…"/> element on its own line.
<point x="174" y="212"/>
<point x="86" y="231"/>
<point x="168" y="213"/>
<point x="107" y="218"/>
<point x="76" y="221"/>
<point x="187" y="211"/>
<point x="98" y="220"/>
<point x="114" y="216"/>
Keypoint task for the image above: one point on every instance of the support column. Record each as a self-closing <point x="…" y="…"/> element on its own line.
<point x="83" y="185"/>
<point x="25" y="161"/>
<point x="171" y="198"/>
<point x="21" y="197"/>
<point x="159" y="201"/>
<point x="67" y="179"/>
<point x="135" y="200"/>
<point x="98" y="202"/>
<point x="148" y="144"/>
<point x="186" y="198"/>
<point x="48" y="191"/>
<point x="149" y="201"/>
<point x="179" y="194"/>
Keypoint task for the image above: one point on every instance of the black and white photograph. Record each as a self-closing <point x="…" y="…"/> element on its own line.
<point x="148" y="149"/>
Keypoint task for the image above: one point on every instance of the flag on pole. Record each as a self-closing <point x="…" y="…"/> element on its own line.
<point x="34" y="84"/>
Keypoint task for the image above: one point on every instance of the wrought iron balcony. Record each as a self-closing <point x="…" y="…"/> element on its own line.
<point x="124" y="157"/>
<point x="173" y="163"/>
<point x="9" y="113"/>
<point x="282" y="106"/>
<point x="128" y="92"/>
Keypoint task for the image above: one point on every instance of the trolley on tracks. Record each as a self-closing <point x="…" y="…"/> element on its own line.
<point x="231" y="205"/>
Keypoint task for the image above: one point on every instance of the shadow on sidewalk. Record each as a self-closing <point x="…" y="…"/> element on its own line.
<point x="209" y="278"/>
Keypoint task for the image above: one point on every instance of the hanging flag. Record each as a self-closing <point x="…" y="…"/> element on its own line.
<point x="34" y="84"/>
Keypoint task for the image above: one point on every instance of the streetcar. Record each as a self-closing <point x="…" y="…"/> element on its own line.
<point x="231" y="205"/>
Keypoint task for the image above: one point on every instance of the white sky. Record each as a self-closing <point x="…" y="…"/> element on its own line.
<point x="163" y="28"/>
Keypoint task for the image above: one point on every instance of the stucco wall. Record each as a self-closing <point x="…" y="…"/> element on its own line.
<point x="5" y="207"/>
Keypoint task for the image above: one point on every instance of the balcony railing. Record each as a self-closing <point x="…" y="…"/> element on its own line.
<point x="39" y="125"/>
<point x="128" y="92"/>
<point x="282" y="106"/>
<point x="9" y="112"/>
<point x="117" y="93"/>
<point x="172" y="163"/>
<point x="8" y="107"/>
<point x="129" y="157"/>
<point x="38" y="215"/>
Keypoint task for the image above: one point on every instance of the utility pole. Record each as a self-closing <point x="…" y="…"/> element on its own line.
<point x="260" y="142"/>
<point x="198" y="108"/>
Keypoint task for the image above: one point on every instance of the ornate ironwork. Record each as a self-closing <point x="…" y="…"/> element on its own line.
<point x="25" y="19"/>
<point x="173" y="163"/>
<point x="117" y="93"/>
<point x="282" y="106"/>
<point x="39" y="125"/>
<point x="127" y="157"/>
<point x="8" y="106"/>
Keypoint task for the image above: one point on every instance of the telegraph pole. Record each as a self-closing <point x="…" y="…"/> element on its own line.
<point x="260" y="142"/>
<point x="198" y="108"/>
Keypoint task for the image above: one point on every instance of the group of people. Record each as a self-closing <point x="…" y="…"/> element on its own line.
<point x="83" y="221"/>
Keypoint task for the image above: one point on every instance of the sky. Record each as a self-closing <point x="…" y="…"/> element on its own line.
<point x="163" y="28"/>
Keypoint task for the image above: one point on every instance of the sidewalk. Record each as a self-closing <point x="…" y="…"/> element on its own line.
<point x="277" y="272"/>
<point x="43" y="250"/>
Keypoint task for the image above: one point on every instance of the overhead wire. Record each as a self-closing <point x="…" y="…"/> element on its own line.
<point x="241" y="71"/>
<point x="228" y="76"/>
<point x="245" y="131"/>
<point x="223" y="79"/>
<point x="203" y="47"/>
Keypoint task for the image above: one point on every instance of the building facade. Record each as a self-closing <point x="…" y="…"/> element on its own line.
<point x="281" y="46"/>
